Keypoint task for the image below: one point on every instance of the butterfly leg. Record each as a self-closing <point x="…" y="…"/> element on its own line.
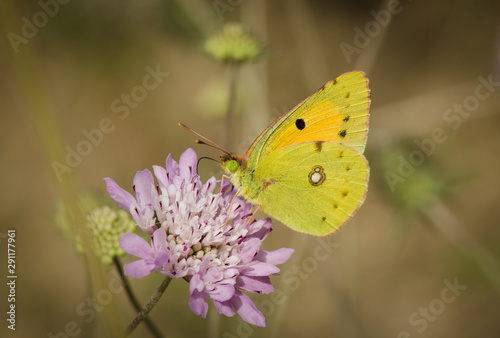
<point x="221" y="186"/>
<point x="230" y="208"/>
<point x="250" y="217"/>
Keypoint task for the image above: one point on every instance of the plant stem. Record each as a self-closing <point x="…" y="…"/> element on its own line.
<point x="154" y="330"/>
<point x="149" y="306"/>
<point x="233" y="70"/>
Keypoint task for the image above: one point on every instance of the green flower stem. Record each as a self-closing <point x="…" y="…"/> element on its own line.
<point x="149" y="306"/>
<point x="154" y="330"/>
<point x="233" y="72"/>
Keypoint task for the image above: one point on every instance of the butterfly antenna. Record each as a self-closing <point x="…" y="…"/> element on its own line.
<point x="204" y="158"/>
<point x="206" y="141"/>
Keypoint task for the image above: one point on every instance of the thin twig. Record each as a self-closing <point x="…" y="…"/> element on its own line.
<point x="149" y="306"/>
<point x="232" y="70"/>
<point x="154" y="330"/>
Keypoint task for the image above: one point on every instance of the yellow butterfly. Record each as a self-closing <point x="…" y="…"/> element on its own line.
<point x="307" y="169"/>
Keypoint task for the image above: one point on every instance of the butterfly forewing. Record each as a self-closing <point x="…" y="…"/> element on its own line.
<point x="338" y="113"/>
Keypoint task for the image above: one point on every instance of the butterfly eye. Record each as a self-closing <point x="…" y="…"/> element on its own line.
<point x="232" y="165"/>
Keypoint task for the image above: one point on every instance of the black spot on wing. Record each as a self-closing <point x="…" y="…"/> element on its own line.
<point x="346" y="119"/>
<point x="347" y="95"/>
<point x="300" y="124"/>
<point x="343" y="133"/>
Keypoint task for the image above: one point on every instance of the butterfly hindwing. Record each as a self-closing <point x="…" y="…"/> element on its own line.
<point x="312" y="187"/>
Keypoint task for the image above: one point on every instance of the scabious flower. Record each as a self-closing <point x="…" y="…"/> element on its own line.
<point x="201" y="236"/>
<point x="233" y="43"/>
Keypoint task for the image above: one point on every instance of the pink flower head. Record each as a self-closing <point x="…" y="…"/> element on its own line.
<point x="199" y="236"/>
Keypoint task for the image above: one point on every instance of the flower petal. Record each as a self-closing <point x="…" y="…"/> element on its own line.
<point x="257" y="268"/>
<point x="247" y="309"/>
<point x="159" y="241"/>
<point x="198" y="304"/>
<point x="161" y="176"/>
<point x="260" y="228"/>
<point x="224" y="308"/>
<point x="187" y="164"/>
<point x="144" y="187"/>
<point x="144" y="218"/>
<point x="159" y="261"/>
<point x="203" y="267"/>
<point x="213" y="275"/>
<point x="255" y="284"/>
<point x="124" y="199"/>
<point x="275" y="257"/>
<point x="249" y="249"/>
<point x="221" y="292"/>
<point x="196" y="284"/>
<point x="172" y="168"/>
<point x="137" y="269"/>
<point x="209" y="186"/>
<point x="135" y="245"/>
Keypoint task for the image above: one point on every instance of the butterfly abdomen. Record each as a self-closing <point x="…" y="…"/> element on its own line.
<point x="250" y="188"/>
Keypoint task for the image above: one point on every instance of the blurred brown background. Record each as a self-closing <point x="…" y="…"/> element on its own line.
<point x="424" y="227"/>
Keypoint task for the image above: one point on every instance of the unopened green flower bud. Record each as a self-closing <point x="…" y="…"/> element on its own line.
<point x="105" y="226"/>
<point x="233" y="43"/>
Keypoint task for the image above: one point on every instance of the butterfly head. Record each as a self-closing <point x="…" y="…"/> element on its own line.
<point x="234" y="165"/>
